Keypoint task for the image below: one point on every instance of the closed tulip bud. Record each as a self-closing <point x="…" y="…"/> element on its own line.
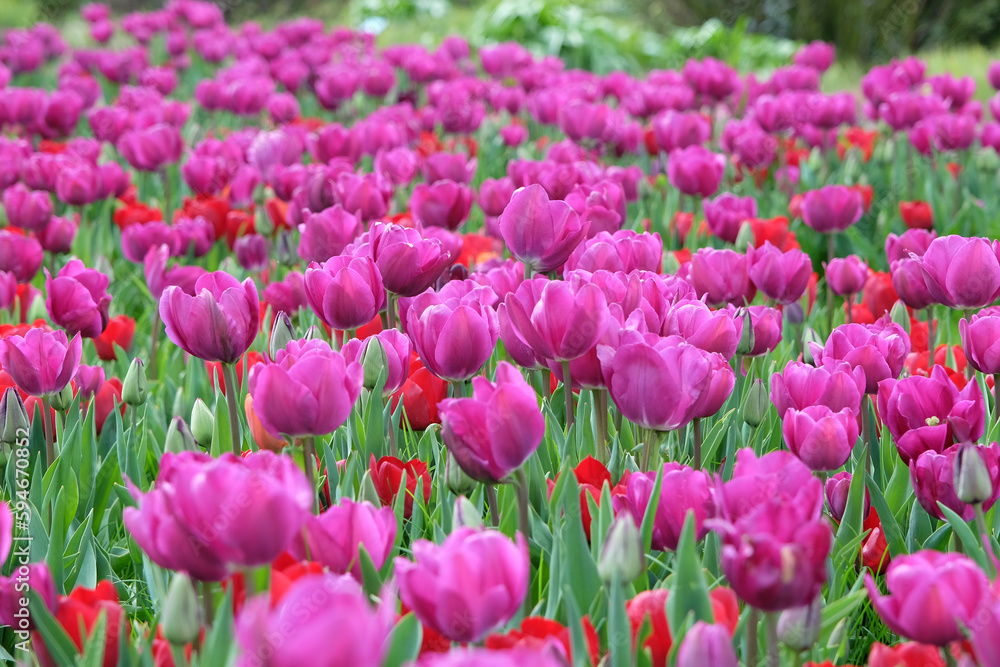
<point x="179" y="622"/>
<point x="798" y="628"/>
<point x="180" y="404"/>
<point x="809" y="336"/>
<point x="134" y="387"/>
<point x="373" y="361"/>
<point x="707" y="644"/>
<point x="14" y="416"/>
<point x="281" y="334"/>
<point x="622" y="552"/>
<point x="900" y="316"/>
<point x="745" y="237"/>
<point x="179" y="438"/>
<point x="794" y="314"/>
<point x="670" y="263"/>
<point x="757" y="405"/>
<point x="456" y="480"/>
<point x="747" y="338"/>
<point x="368" y="491"/>
<point x="103" y="265"/>
<point x="313" y="333"/>
<point x="465" y="515"/>
<point x="202" y="423"/>
<point x="973" y="483"/>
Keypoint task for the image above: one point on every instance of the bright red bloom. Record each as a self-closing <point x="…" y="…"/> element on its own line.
<point x="285" y="570"/>
<point x="277" y="211"/>
<point x="774" y="230"/>
<point x="478" y="249"/>
<point x="683" y="256"/>
<point x="135" y="213"/>
<point x="82" y="608"/>
<point x="433" y="641"/>
<point x="213" y="209"/>
<point x="878" y="295"/>
<point x="867" y="194"/>
<point x="310" y="123"/>
<point x="428" y="144"/>
<point x="362" y="332"/>
<point x="535" y="632"/>
<point x="649" y="139"/>
<point x="52" y="147"/>
<point x="955" y="169"/>
<point x="856" y="137"/>
<point x="874" y="550"/>
<point x="120" y="331"/>
<point x="387" y="475"/>
<point x="916" y="214"/>
<point x="421" y="394"/>
<point x="681" y="224"/>
<point x="104" y="402"/>
<point x="23" y="328"/>
<point x="238" y="223"/>
<point x="725" y="608"/>
<point x="214" y="369"/>
<point x="795" y="206"/>
<point x="917" y="362"/>
<point x="469" y="143"/>
<point x="591" y="475"/>
<point x="909" y="654"/>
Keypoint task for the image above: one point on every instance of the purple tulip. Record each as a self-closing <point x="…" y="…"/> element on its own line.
<point x="780" y="276"/>
<point x="981" y="340"/>
<point x="138" y="239"/>
<point x="566" y="320"/>
<point x="915" y="241"/>
<point x="470" y="584"/>
<point x="674" y="130"/>
<point x="345" y="292"/>
<point x="491" y="434"/>
<point x="962" y="272"/>
<point x="711" y="78"/>
<point x="79" y="183"/>
<point x="204" y="174"/>
<point x="539" y="232"/>
<point x="27" y="209"/>
<point x="8" y="290"/>
<point x="832" y="208"/>
<point x="218" y="323"/>
<point x="252" y="252"/>
<point x="932" y="474"/>
<point x="695" y="170"/>
<point x="89" y="380"/>
<point x="683" y="490"/>
<point x="513" y="135"/>
<point x="152" y="148"/>
<point x="837" y="490"/>
<point x="931" y="596"/>
<point x="846" y="275"/>
<point x="836" y="385"/>
<point x="159" y="277"/>
<point x="408" y="263"/>
<point x="283" y="108"/>
<point x="710" y="330"/>
<point x="444" y="203"/>
<point x="454" y="335"/>
<point x="879" y="349"/>
<point x="344" y="628"/>
<point x="334" y="537"/>
<point x="707" y="644"/>
<point x="776" y="475"/>
<point x="601" y="205"/>
<point x="549" y="655"/>
<point x="817" y="55"/>
<point x="114" y="180"/>
<point x="399" y="165"/>
<point x="930" y="413"/>
<point x="909" y="283"/>
<point x="495" y="194"/>
<point x="503" y="278"/>
<point x="528" y="292"/>
<point x="623" y="250"/>
<point x="41" y="363"/>
<point x="326" y="234"/>
<point x="77" y="299"/>
<point x="721" y="276"/>
<point x="821" y="438"/>
<point x="397" y="348"/>
<point x="725" y="214"/>
<point x="444" y="166"/>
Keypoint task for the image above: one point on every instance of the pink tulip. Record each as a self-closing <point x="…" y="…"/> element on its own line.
<point x="41" y="363"/>
<point x="77" y="299"/>
<point x="962" y="272"/>
<point x="566" y="320"/>
<point x="345" y="292"/>
<point x="834" y="385"/>
<point x="821" y="438"/>
<point x="539" y="232"/>
<point x="454" y="334"/>
<point x="710" y="330"/>
<point x="20" y="255"/>
<point x="152" y="148"/>
<point x="846" y="275"/>
<point x="932" y="475"/>
<point x="335" y="537"/>
<point x="395" y="346"/>
<point x="776" y="475"/>
<point x="725" y="214"/>
<point x="908" y="281"/>
<point x="981" y="340"/>
<point x="832" y="208"/>
<point x="721" y="276"/>
<point x="683" y="490"/>
<point x="879" y="349"/>
<point x="707" y="644"/>
<point x="27" y="209"/>
<point x="407" y="262"/>
<point x="780" y="276"/>
<point x="444" y="203"/>
<point x="695" y="170"/>
<point x="837" y="490"/>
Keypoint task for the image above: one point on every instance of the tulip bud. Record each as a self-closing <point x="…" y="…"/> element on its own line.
<point x="202" y="423"/>
<point x="465" y="515"/>
<point x="900" y="316"/>
<point x="284" y="252"/>
<point x="368" y="491"/>
<point x="179" y="621"/>
<point x="622" y="551"/>
<point x="104" y="266"/>
<point x="809" y="336"/>
<point x="313" y="333"/>
<point x="179" y="438"/>
<point x="179" y="403"/>
<point x="798" y="628"/>
<point x="670" y="263"/>
<point x="757" y="405"/>
<point x="37" y="310"/>
<point x="262" y="223"/>
<point x="747" y="338"/>
<point x="972" y="479"/>
<point x="15" y="418"/>
<point x="134" y="386"/>
<point x="281" y="334"/>
<point x="707" y="644"/>
<point x="63" y="399"/>
<point x="373" y="361"/>
<point x="456" y="480"/>
<point x="794" y="314"/>
<point x="745" y="237"/>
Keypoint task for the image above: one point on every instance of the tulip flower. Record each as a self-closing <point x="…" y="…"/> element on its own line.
<point x="345" y="292"/>
<point x="36" y="575"/>
<point x="835" y="385"/>
<point x="683" y="489"/>
<point x="720" y="276"/>
<point x="78" y="612"/>
<point x="933" y="476"/>
<point x="206" y="516"/>
<point x="467" y="586"/>
<point x="981" y="340"/>
<point x="454" y="335"/>
<point x="27" y="209"/>
<point x="710" y="330"/>
<point x="535" y="630"/>
<point x="780" y="276"/>
<point x="624" y="250"/>
<point x="327" y="233"/>
<point x="77" y="299"/>
<point x="516" y="657"/>
<point x="387" y="476"/>
<point x="962" y="272"/>
<point x="914" y="241"/>
<point x="443" y="203"/>
<point x="407" y="262"/>
<point x="832" y="208"/>
<point x="564" y="322"/>
<point x="725" y="214"/>
<point x="837" y="489"/>
<point x="846" y="275"/>
<point x="879" y="349"/>
<point x="707" y="644"/>
<point x="395" y="348"/>
<point x="778" y="474"/>
<point x="695" y="170"/>
<point x="539" y="232"/>
<point x="334" y="538"/>
<point x="821" y="438"/>
<point x="953" y="581"/>
<point x="20" y="255"/>
<point x="152" y="148"/>
<point x="41" y="363"/>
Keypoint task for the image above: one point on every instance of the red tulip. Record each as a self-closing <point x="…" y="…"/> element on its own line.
<point x="916" y="214"/>
<point x="214" y="369"/>
<point x="387" y="474"/>
<point x="420" y="394"/>
<point x="120" y="331"/>
<point x="79" y="611"/>
<point x="536" y="632"/>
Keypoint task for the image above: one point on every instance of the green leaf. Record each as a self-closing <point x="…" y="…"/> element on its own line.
<point x="574" y="621"/>
<point x="222" y="439"/>
<point x="619" y="628"/>
<point x="581" y="569"/>
<point x="57" y="642"/>
<point x="96" y="645"/>
<point x="372" y="581"/>
<point x="57" y="538"/>
<point x="646" y="529"/>
<point x="852" y="523"/>
<point x="972" y="546"/>
<point x="219" y="644"/>
<point x="404" y="642"/>
<point x="690" y="592"/>
<point x="893" y="534"/>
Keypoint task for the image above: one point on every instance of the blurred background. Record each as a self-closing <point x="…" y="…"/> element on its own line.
<point x="604" y="35"/>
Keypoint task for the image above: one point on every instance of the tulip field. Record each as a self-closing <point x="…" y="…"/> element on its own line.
<point x="317" y="351"/>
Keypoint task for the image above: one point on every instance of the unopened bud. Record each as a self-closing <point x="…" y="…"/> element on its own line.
<point x="900" y="316"/>
<point x="670" y="263"/>
<point x="368" y="491"/>
<point x="622" y="551"/>
<point x="284" y="252"/>
<point x="794" y="313"/>
<point x="202" y="423"/>
<point x="313" y="333"/>
<point x="36" y="310"/>
<point x="757" y="404"/>
<point x="457" y="481"/>
<point x="798" y="628"/>
<point x="14" y="416"/>
<point x="179" y="438"/>
<point x="179" y="403"/>
<point x="810" y="338"/>
<point x="63" y="399"/>
<point x="373" y="361"/>
<point x="134" y="386"/>
<point x="281" y="333"/>
<point x="179" y="622"/>
<point x="747" y="339"/>
<point x="745" y="237"/>
<point x="973" y="484"/>
<point x="465" y="515"/>
<point x="102" y="264"/>
<point x="262" y="223"/>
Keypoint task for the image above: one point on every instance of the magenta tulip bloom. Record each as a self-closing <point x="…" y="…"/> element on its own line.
<point x="930" y="413"/>
<point x="962" y="272"/>
<point x="41" y="363"/>
<point x="326" y="234"/>
<point x="345" y="292"/>
<point x="343" y="630"/>
<point x="624" y="250"/>
<point x="836" y="385"/>
<point x="159" y="277"/>
<point x="908" y="281"/>
<point x="780" y="276"/>
<point x="454" y="333"/>
<point x="846" y="275"/>
<point x="20" y="255"/>
<point x="914" y="241"/>
<point x="721" y="276"/>
<point x="539" y="232"/>
<point x="443" y="166"/>
<point x="27" y="209"/>
<point x="710" y="330"/>
<point x="821" y="438"/>
<point x="832" y="208"/>
<point x="817" y="55"/>
<point x="707" y="644"/>
<point x="79" y="183"/>
<point x="778" y="474"/>
<point x="407" y="262"/>
<point x="683" y="489"/>
<point x="880" y="349"/>
<point x="397" y="349"/>
<point x="930" y="595"/>
<point x="838" y="488"/>
<point x="981" y="340"/>
<point x="138" y="239"/>
<point x="495" y="194"/>
<point x="206" y="516"/>
<point x="333" y="538"/>
<point x="217" y="323"/>
<point x="766" y="323"/>
<point x="725" y="214"/>
<point x="520" y="656"/>
<point x="566" y="320"/>
<point x="469" y="585"/>
<point x="152" y="148"/>
<point x="77" y="299"/>
<point x="695" y="170"/>
<point x="491" y="434"/>
<point x="441" y="204"/>
<point x="308" y="390"/>
<point x="674" y="130"/>
<point x="933" y="477"/>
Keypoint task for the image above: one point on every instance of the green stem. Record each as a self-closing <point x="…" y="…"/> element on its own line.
<point x="949" y="659"/>
<point x="773" y="649"/>
<point x="309" y="459"/>
<point x="523" y="520"/>
<point x="232" y="388"/>
<point x="167" y="211"/>
<point x="831" y="249"/>
<point x="986" y="536"/>
<point x="568" y="391"/>
<point x="866" y="432"/>
<point x="930" y="336"/>
<point x="697" y="444"/>
<point x="48" y="427"/>
<point x="390" y="310"/>
<point x="601" y="403"/>
<point x="752" y="621"/>
<point x="393" y="447"/>
<point x="546" y="384"/>
<point x="491" y="501"/>
<point x="208" y="602"/>
<point x="154" y="343"/>
<point x="650" y="450"/>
